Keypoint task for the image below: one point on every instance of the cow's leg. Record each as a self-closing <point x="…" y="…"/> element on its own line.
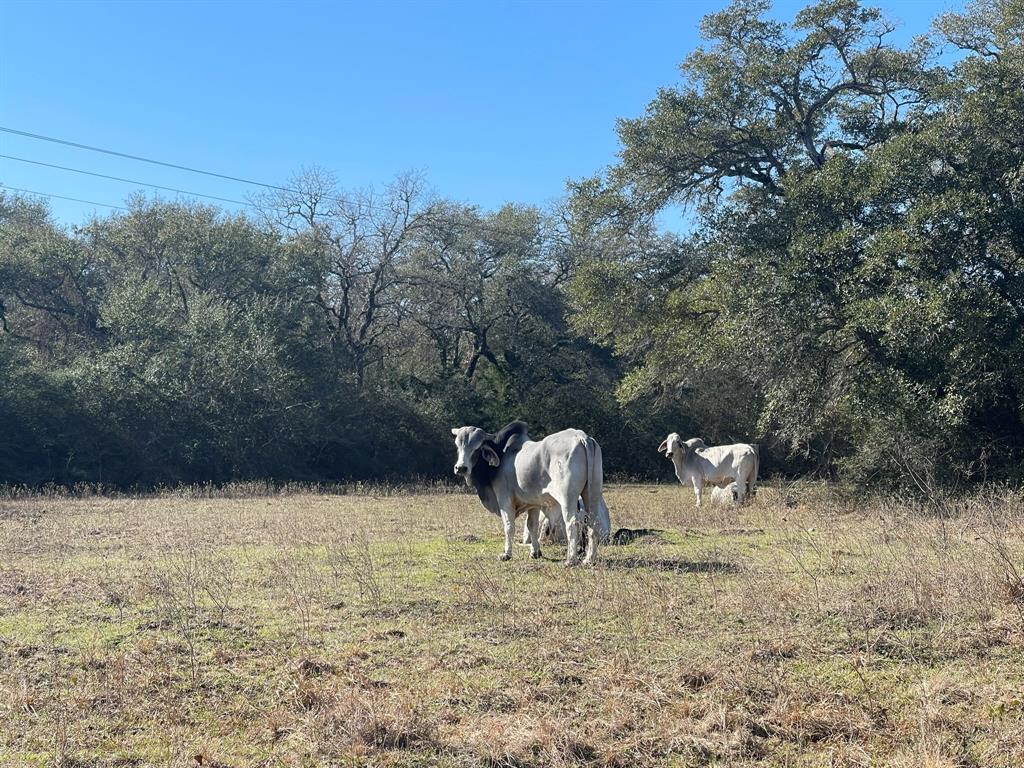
<point x="508" y="522"/>
<point x="533" y="529"/>
<point x="740" y="492"/>
<point x="573" y="529"/>
<point x="594" y="533"/>
<point x="698" y="490"/>
<point x="526" y="530"/>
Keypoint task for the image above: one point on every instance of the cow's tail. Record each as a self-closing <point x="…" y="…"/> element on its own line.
<point x="593" y="491"/>
<point x="751" y="489"/>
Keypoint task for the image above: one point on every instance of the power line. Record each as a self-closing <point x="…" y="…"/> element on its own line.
<point x="481" y="226"/>
<point x="141" y="159"/>
<point x="62" y="197"/>
<point x="128" y="181"/>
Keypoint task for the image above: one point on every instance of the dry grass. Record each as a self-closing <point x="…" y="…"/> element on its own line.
<point x="379" y="628"/>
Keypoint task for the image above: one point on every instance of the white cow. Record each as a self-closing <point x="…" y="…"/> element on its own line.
<point x="698" y="465"/>
<point x="552" y="527"/>
<point x="724" y="496"/>
<point x="513" y="474"/>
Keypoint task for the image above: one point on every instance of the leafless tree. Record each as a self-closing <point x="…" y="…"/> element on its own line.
<point x="360" y="242"/>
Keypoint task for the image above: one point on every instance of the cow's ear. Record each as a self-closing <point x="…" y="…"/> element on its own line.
<point x="663" y="448"/>
<point x="455" y="430"/>
<point x="490" y="456"/>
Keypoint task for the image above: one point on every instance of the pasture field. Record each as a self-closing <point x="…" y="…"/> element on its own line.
<point x="379" y="628"/>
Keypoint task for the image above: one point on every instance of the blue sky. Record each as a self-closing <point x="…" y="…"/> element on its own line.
<point x="493" y="102"/>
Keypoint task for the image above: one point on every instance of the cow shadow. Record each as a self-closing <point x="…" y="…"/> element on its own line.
<point x="670" y="564"/>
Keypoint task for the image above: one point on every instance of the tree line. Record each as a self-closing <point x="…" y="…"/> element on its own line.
<point x="848" y="291"/>
<point x="330" y="335"/>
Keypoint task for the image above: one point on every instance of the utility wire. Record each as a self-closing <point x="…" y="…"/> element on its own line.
<point x="62" y="197"/>
<point x="165" y="164"/>
<point x="128" y="181"/>
<point x="115" y="153"/>
<point x="478" y="225"/>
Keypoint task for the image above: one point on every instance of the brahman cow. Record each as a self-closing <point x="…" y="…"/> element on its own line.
<point x="513" y="474"/>
<point x="720" y="465"/>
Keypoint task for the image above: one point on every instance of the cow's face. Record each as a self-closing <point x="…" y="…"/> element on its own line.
<point x="471" y="447"/>
<point x="671" y="445"/>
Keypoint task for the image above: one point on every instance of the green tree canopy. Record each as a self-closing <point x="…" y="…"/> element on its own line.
<point x="851" y="289"/>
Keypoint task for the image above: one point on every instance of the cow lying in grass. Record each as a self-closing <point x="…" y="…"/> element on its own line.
<point x="552" y="529"/>
<point x="513" y="474"/>
<point x="724" y="496"/>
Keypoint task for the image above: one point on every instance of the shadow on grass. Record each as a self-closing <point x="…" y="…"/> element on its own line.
<point x="677" y="565"/>
<point x="625" y="536"/>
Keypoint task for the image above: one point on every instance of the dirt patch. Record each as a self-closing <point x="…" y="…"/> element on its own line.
<point x="389" y="634"/>
<point x="468" y="538"/>
<point x="314" y="668"/>
<point x="740" y="531"/>
<point x="695" y="680"/>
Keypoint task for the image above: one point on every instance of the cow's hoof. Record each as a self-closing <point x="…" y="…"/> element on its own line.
<point x="505" y="557"/>
<point x="535" y="555"/>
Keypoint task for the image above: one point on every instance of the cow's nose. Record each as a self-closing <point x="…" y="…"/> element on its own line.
<point x="460" y="469"/>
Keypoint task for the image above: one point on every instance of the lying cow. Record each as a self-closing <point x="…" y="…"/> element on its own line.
<point x="513" y="474"/>
<point x="724" y="496"/>
<point x="552" y="528"/>
<point x="698" y="465"/>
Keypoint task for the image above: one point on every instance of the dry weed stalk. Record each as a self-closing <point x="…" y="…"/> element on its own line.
<point x="352" y="560"/>
<point x="177" y="591"/>
<point x="299" y="577"/>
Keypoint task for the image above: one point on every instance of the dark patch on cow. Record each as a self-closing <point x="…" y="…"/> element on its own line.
<point x="507" y="441"/>
<point x="516" y="439"/>
<point x="511" y="437"/>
